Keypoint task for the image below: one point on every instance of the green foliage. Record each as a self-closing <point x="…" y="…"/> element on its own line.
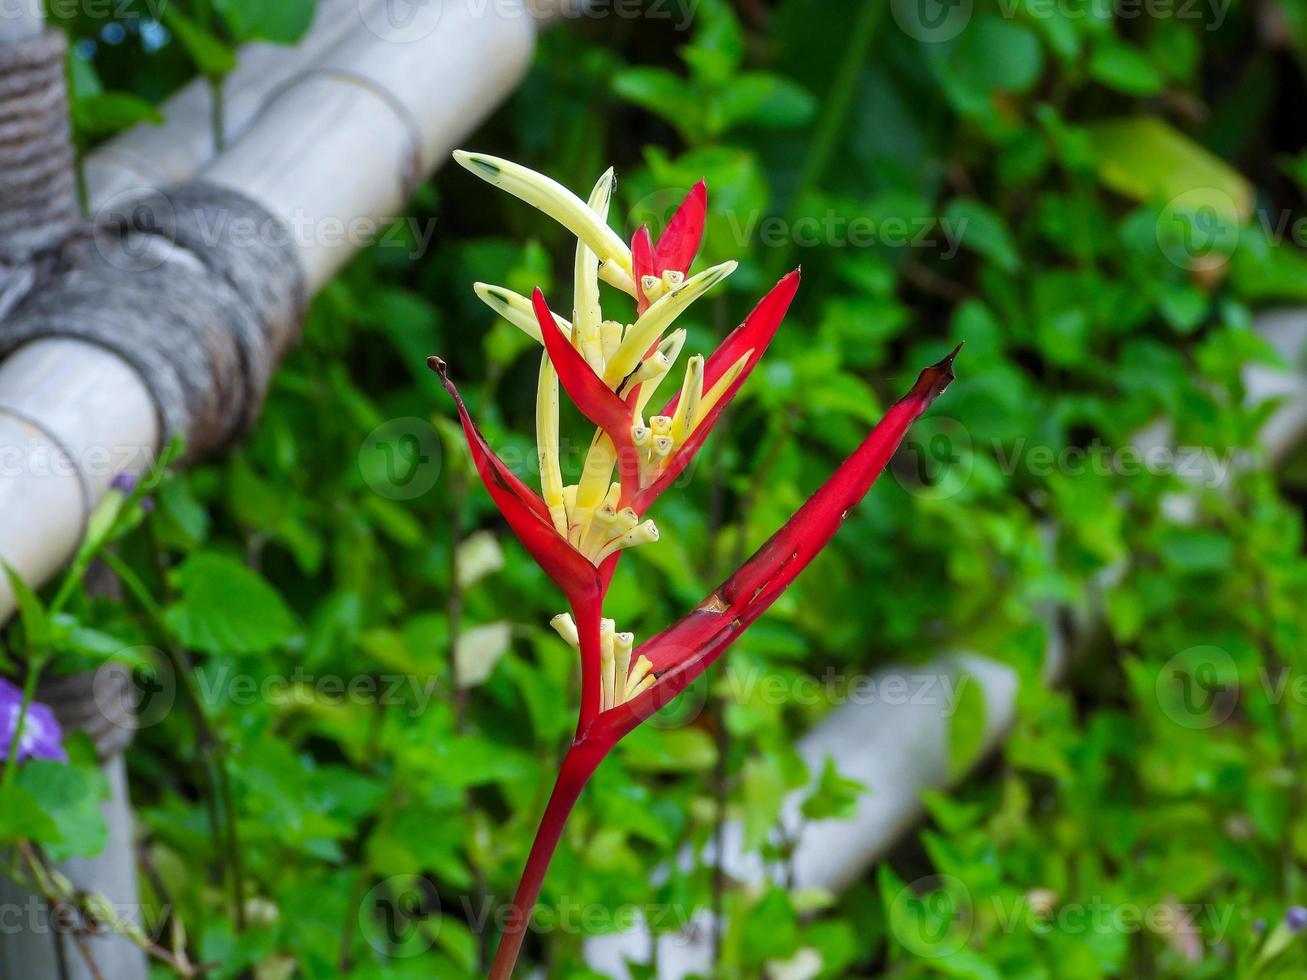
<point x="1091" y="201"/>
<point x="223" y="607"/>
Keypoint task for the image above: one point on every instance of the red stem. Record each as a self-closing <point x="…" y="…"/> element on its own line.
<point x="579" y="764"/>
<point x="586" y="614"/>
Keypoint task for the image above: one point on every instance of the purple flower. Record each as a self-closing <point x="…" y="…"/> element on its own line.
<point x="1296" y="918"/>
<point x="147" y="505"/>
<point x="1259" y="925"/>
<point x="41" y="738"/>
<point x="123" y="482"/>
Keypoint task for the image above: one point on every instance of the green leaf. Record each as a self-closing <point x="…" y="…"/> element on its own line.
<point x="36" y="623"/>
<point x="21" y="817"/>
<point x="834" y="797"/>
<point x="764" y="793"/>
<point x="112" y="112"/>
<point x="771" y="931"/>
<point x="227" y="608"/>
<point x="991" y="55"/>
<point x="1147" y="159"/>
<point x="718" y="47"/>
<point x="661" y="92"/>
<point x="69" y="797"/>
<point x="966" y="729"/>
<point x="1196" y="551"/>
<point x="1125" y="68"/>
<point x="983" y="230"/>
<point x="766" y="100"/>
<point x="211" y="56"/>
<point x="279" y="21"/>
<point x="678" y="750"/>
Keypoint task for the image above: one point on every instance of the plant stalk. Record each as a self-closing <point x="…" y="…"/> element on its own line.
<point x="578" y="766"/>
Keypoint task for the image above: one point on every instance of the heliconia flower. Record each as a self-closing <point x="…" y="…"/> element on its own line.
<point x="576" y="532"/>
<point x="41" y="738"/>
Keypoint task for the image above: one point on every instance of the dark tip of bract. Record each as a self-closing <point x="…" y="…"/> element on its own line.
<point x="438" y="365"/>
<point x="934" y="379"/>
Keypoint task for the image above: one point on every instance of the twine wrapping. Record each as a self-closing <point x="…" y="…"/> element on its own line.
<point x="197" y="287"/>
<point x="38" y="188"/>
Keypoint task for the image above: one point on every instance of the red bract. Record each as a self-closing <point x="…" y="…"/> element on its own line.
<point x="679" y="243"/>
<point x="524" y="511"/>
<point x="683" y="651"/>
<point x="597" y="402"/>
<point x="642" y="264"/>
<point x="752" y="337"/>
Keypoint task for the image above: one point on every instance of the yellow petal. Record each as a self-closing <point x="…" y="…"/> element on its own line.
<point x="717" y="391"/>
<point x="638" y="674"/>
<point x="661" y="315"/>
<point x="670" y="348"/>
<point x="687" y="407"/>
<point x="587" y="314"/>
<point x="645" y="533"/>
<point x="517" y="310"/>
<point x="554" y="200"/>
<point x="622" y="644"/>
<point x="565" y="626"/>
<point x="551" y="473"/>
<point x="607" y="661"/>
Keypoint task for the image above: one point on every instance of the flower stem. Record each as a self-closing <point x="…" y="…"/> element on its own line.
<point x="578" y="765"/>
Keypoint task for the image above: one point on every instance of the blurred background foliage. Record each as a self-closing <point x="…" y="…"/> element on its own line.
<point x="1030" y="183"/>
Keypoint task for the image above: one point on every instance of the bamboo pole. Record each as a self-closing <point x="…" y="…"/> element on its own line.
<point x="334" y="153"/>
<point x="21" y="19"/>
<point x="897" y="746"/>
<point x="337" y="141"/>
<point x="345" y="145"/>
<point x="149" y="155"/>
